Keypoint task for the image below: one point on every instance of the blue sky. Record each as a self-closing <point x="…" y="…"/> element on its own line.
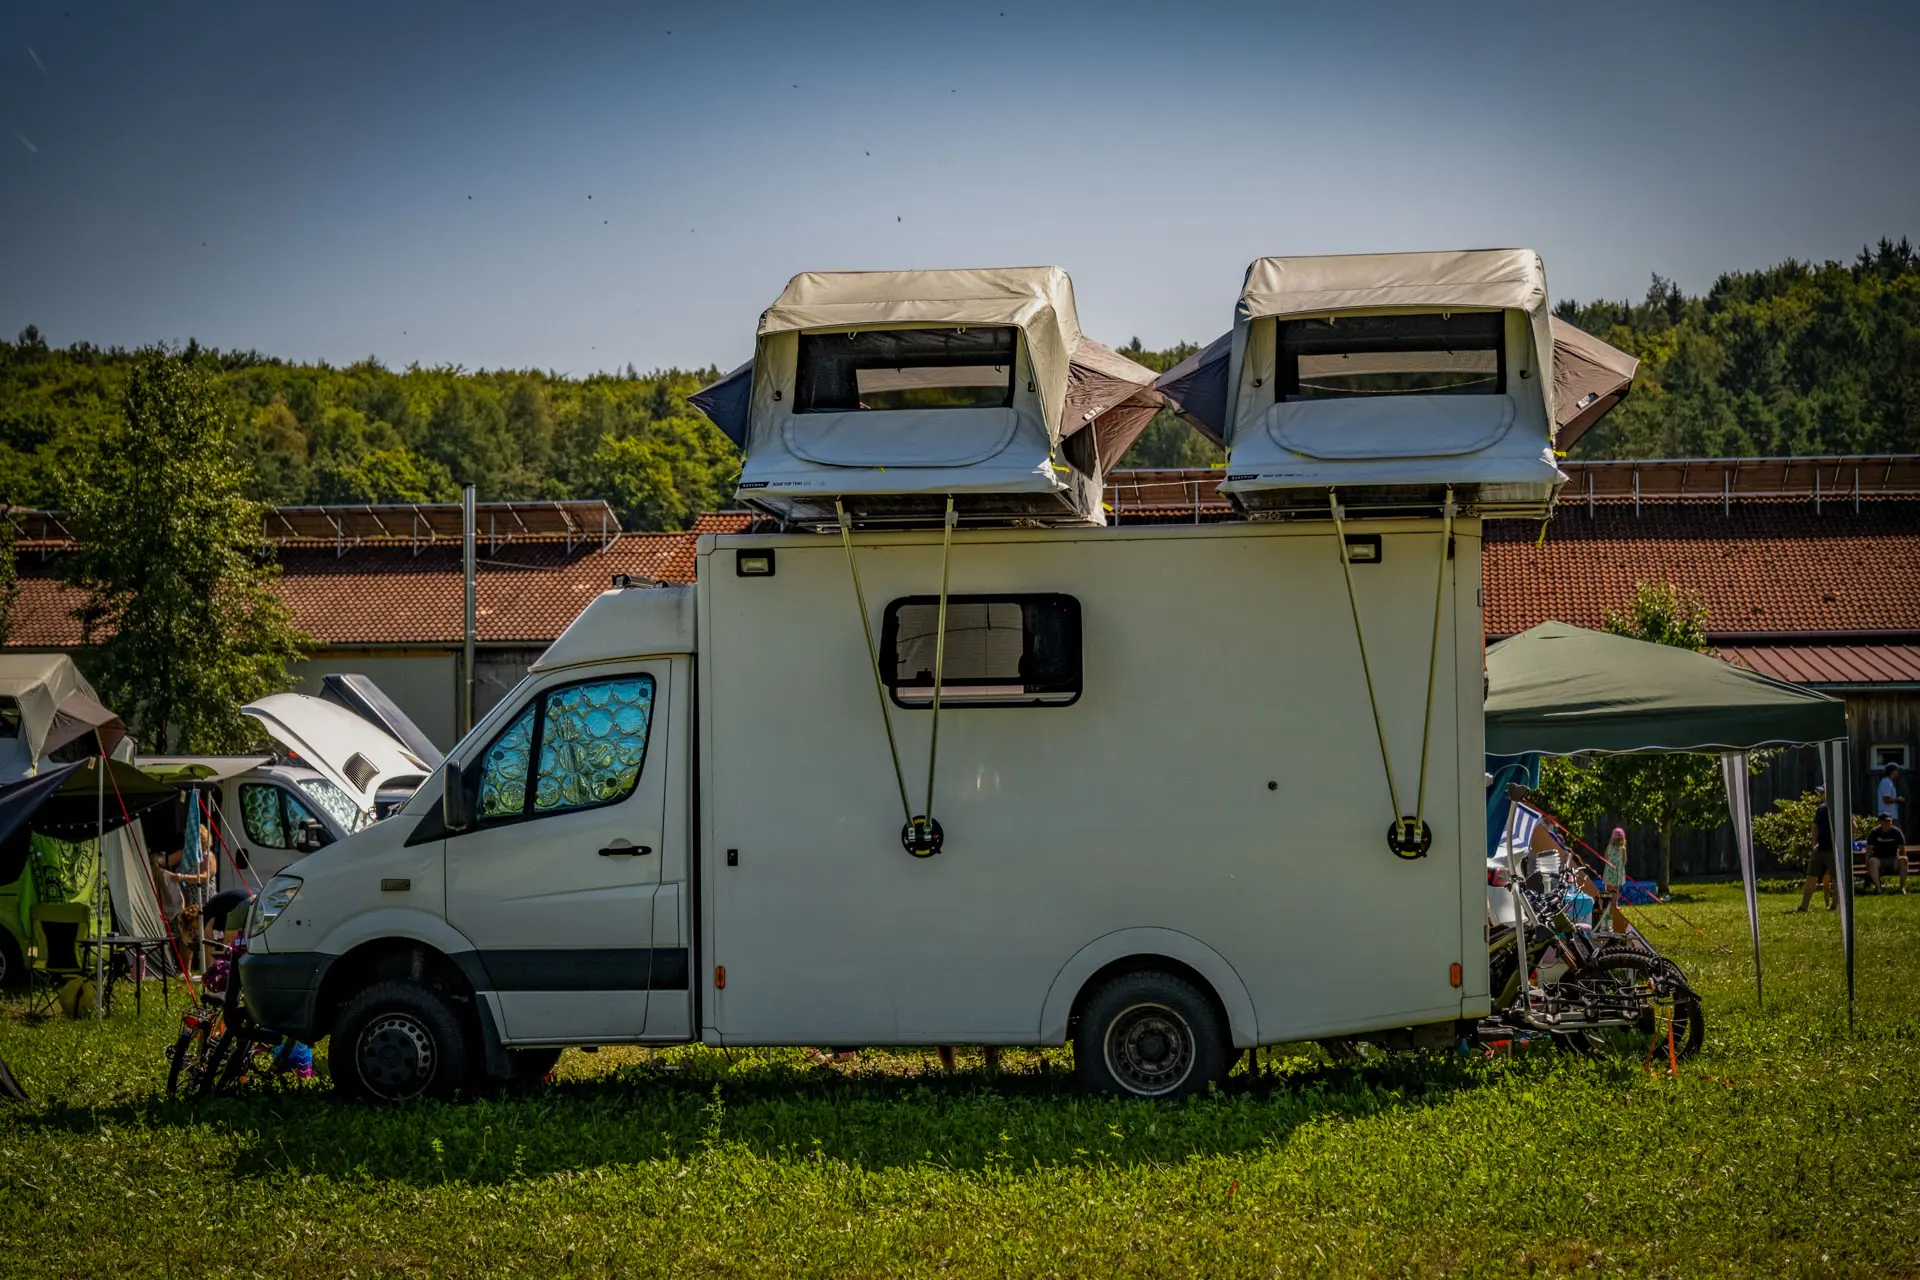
<point x="579" y="186"/>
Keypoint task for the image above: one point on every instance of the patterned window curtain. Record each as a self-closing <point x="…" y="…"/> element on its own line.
<point x="503" y="770"/>
<point x="593" y="743"/>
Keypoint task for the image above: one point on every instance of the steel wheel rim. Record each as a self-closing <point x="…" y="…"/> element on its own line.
<point x="396" y="1057"/>
<point x="1150" y="1049"/>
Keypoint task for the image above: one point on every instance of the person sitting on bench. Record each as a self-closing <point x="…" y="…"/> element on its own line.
<point x="1886" y="851"/>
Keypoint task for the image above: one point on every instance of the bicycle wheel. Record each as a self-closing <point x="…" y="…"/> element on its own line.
<point x="1644" y="1000"/>
<point x="188" y="1058"/>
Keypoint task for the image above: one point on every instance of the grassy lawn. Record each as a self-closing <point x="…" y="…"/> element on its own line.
<point x="1788" y="1147"/>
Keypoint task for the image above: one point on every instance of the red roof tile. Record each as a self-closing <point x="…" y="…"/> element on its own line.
<point x="1769" y="566"/>
<point x="1763" y="567"/>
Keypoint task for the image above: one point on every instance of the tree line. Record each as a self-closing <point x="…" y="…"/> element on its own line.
<point x="1792" y="359"/>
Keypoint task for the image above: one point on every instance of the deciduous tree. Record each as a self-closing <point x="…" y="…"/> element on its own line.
<point x="178" y="604"/>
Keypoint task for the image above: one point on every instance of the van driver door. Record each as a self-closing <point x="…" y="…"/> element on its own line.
<point x="554" y="884"/>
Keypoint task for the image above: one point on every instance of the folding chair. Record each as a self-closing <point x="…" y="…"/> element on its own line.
<point x="57" y="930"/>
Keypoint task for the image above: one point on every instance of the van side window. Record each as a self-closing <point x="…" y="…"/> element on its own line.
<point x="272" y="815"/>
<point x="583" y="745"/>
<point x="260" y="814"/>
<point x="1001" y="651"/>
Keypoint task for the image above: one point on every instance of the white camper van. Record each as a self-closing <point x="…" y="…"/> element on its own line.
<point x="1163" y="830"/>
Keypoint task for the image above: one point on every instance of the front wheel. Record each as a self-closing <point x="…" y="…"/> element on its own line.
<point x="397" y="1041"/>
<point x="1150" y="1035"/>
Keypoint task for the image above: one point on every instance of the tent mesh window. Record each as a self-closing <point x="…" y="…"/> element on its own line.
<point x="894" y="369"/>
<point x="1013" y="650"/>
<point x="1461" y="353"/>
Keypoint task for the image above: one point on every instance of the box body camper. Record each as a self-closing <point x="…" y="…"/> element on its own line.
<point x="1155" y="772"/>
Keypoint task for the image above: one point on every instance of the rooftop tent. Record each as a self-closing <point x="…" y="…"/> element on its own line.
<point x="892" y="390"/>
<point x="1560" y="690"/>
<point x="45" y="703"/>
<point x="1392" y="377"/>
<point x="1590" y="377"/>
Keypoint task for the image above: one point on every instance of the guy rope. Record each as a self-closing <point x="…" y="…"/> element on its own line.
<point x="921" y="836"/>
<point x="1409" y="835"/>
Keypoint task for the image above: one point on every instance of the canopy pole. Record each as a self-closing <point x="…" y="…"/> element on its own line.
<point x="99" y="887"/>
<point x="1733" y="772"/>
<point x="1833" y="761"/>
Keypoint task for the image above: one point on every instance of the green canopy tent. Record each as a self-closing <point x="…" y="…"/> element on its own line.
<point x="1562" y="690"/>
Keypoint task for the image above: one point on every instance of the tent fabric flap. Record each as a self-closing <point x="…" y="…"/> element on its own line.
<point x="1733" y="773"/>
<point x="728" y="403"/>
<point x="1560" y="690"/>
<point x="1590" y="377"/>
<point x="1112" y="394"/>
<point x="1196" y="388"/>
<point x="78" y="715"/>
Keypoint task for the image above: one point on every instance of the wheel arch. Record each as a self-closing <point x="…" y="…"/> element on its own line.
<point x="394" y="957"/>
<point x="1131" y="950"/>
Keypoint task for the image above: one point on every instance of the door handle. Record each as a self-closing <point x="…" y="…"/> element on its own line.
<point x="625" y="850"/>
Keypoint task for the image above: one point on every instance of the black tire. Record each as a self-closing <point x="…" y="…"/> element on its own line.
<point x="531" y="1066"/>
<point x="398" y="1041"/>
<point x="1150" y="1035"/>
<point x="1671" y="1001"/>
<point x="14" y="975"/>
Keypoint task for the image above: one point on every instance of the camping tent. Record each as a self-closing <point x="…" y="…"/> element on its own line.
<point x="1588" y="379"/>
<point x="890" y="390"/>
<point x="1562" y="690"/>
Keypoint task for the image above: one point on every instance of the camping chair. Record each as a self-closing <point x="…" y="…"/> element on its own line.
<point x="57" y="930"/>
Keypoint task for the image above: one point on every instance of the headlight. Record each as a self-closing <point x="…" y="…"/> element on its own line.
<point x="275" y="898"/>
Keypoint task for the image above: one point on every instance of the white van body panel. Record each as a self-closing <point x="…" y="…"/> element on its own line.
<point x="1217" y="659"/>
<point x="1124" y="943"/>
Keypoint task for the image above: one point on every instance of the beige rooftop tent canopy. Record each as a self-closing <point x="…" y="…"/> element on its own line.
<point x="886" y="389"/>
<point x="1394" y="379"/>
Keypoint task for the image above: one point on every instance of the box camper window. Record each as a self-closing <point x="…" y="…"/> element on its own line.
<point x="581" y="745"/>
<point x="905" y="369"/>
<point x="1461" y="353"/>
<point x="1002" y="651"/>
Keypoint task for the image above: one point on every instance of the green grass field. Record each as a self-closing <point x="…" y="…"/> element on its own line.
<point x="1788" y="1147"/>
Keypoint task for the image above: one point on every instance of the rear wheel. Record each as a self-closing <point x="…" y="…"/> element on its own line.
<point x="1150" y="1035"/>
<point x="191" y="1055"/>
<point x="397" y="1041"/>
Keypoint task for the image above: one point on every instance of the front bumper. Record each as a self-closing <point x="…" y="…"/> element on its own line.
<point x="281" y="989"/>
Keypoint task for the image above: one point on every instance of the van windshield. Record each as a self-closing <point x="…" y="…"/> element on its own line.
<point x="338" y="804"/>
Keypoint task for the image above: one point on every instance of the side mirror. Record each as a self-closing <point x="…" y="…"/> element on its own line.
<point x="310" y="837"/>
<point x="455" y="812"/>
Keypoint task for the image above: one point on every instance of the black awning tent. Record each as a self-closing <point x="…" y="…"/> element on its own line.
<point x="72" y="802"/>
<point x="1564" y="690"/>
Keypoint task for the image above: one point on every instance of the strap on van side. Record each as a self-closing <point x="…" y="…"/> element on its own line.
<point x="921" y="836"/>
<point x="1409" y="835"/>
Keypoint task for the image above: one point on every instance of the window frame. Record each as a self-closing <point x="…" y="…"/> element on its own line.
<point x="470" y="776"/>
<point x="1050" y="697"/>
<point x="804" y="386"/>
<point x="1286" y="365"/>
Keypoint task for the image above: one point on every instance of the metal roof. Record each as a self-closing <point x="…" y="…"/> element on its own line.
<point x="1832" y="664"/>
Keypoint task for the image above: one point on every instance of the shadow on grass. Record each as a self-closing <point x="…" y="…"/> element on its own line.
<point x="771" y="1110"/>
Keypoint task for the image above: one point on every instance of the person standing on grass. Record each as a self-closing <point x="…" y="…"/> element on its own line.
<point x="1820" y="861"/>
<point x="1613" y="876"/>
<point x="1886" y="851"/>
<point x="1887" y="797"/>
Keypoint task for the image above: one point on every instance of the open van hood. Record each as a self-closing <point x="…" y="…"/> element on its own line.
<point x="339" y="745"/>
